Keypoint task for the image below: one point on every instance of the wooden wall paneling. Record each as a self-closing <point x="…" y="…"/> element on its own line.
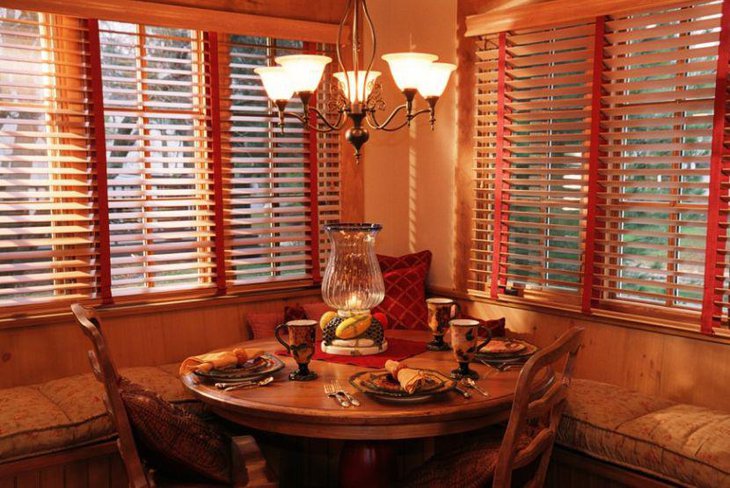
<point x="52" y="477"/>
<point x="99" y="470"/>
<point x="695" y="373"/>
<point x="187" y="17"/>
<point x="134" y="341"/>
<point x="532" y="14"/>
<point x="682" y="369"/>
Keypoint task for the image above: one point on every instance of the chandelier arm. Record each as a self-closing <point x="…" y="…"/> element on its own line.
<point x="384" y="126"/>
<point x="304" y="120"/>
<point x="340" y="43"/>
<point x="371" y="26"/>
<point x="373" y="120"/>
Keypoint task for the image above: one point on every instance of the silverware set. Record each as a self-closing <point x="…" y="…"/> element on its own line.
<point x="238" y="385"/>
<point x="505" y="365"/>
<point x="335" y="390"/>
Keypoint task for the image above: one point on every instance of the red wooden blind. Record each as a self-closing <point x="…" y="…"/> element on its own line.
<point x="637" y="133"/>
<point x="202" y="190"/>
<point x="47" y="187"/>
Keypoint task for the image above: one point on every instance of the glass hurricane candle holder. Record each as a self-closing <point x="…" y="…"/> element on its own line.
<point x="353" y="285"/>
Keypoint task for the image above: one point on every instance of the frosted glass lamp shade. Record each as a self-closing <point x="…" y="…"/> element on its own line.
<point x="276" y="82"/>
<point x="364" y="88"/>
<point x="304" y="70"/>
<point x="434" y="83"/>
<point x="409" y="68"/>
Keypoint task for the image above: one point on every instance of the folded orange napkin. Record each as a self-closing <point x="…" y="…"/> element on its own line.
<point x="410" y="379"/>
<point x="218" y="360"/>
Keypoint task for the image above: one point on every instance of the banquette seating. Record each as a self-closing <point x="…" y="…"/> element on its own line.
<point x="640" y="440"/>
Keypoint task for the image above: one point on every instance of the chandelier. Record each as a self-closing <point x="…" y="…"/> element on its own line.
<point x="358" y="95"/>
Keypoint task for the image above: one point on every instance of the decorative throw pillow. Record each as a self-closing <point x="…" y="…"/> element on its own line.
<point x="294" y="312"/>
<point x="389" y="263"/>
<point x="405" y="298"/>
<point x="262" y="324"/>
<point x="177" y="442"/>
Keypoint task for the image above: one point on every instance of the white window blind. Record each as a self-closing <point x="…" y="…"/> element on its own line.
<point x="159" y="163"/>
<point x="47" y="187"/>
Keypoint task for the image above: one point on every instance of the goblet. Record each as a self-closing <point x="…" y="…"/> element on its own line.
<point x="440" y="311"/>
<point x="464" y="337"/>
<point x="300" y="345"/>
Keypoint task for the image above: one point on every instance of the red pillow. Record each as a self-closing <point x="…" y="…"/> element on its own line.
<point x="262" y="324"/>
<point x="389" y="263"/>
<point x="405" y="298"/>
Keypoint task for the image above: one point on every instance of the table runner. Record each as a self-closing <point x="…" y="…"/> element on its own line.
<point x="398" y="350"/>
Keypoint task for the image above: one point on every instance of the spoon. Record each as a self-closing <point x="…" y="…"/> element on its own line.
<point x="473" y="384"/>
<point x="262" y="382"/>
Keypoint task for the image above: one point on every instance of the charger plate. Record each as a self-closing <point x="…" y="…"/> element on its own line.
<point x="263" y="365"/>
<point x="368" y="383"/>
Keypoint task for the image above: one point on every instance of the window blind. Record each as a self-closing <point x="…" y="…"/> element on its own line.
<point x="533" y="123"/>
<point x="269" y="207"/>
<point x="47" y="186"/>
<point x="656" y="134"/>
<point x="593" y="162"/>
<point x="159" y="166"/>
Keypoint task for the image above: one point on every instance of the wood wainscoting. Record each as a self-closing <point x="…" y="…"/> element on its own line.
<point x="685" y="368"/>
<point x="145" y="335"/>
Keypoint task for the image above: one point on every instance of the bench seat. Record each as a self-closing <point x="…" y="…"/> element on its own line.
<point x="69" y="412"/>
<point x="683" y="444"/>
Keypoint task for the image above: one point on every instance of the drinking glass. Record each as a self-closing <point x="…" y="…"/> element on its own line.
<point x="440" y="312"/>
<point x="464" y="342"/>
<point x="300" y="345"/>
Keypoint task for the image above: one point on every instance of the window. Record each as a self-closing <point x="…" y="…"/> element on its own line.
<point x="594" y="144"/>
<point x="183" y="128"/>
<point x="159" y="164"/>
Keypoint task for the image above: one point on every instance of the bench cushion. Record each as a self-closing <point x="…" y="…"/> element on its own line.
<point x="681" y="443"/>
<point x="70" y="411"/>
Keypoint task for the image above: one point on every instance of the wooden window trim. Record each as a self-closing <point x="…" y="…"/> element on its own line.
<point x="135" y="11"/>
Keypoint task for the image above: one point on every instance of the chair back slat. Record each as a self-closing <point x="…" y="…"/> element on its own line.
<point x="541" y="415"/>
<point x="106" y="373"/>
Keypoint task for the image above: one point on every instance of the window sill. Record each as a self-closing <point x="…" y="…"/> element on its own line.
<point x="161" y="305"/>
<point x="649" y="324"/>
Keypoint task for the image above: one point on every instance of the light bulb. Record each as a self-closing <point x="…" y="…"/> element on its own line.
<point x="364" y="88"/>
<point x="433" y="83"/>
<point x="409" y="68"/>
<point x="304" y="70"/>
<point x="276" y="82"/>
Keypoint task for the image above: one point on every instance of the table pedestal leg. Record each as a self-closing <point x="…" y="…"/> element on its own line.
<point x="368" y="463"/>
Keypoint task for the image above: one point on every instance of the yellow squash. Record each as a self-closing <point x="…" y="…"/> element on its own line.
<point x="353" y="326"/>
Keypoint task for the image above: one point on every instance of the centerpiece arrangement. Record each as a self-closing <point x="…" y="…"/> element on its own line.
<point x="353" y="286"/>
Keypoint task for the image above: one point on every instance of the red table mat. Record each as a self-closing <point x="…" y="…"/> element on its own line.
<point x="398" y="350"/>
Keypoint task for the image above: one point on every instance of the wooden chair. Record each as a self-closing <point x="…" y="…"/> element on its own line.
<point x="249" y="466"/>
<point x="530" y="434"/>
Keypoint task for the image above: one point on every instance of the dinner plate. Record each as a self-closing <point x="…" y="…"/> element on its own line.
<point x="527" y="351"/>
<point x="265" y="364"/>
<point x="366" y="382"/>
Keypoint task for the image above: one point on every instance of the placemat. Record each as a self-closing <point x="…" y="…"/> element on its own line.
<point x="398" y="350"/>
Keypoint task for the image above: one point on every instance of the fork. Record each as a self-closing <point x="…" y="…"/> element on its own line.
<point x="329" y="390"/>
<point x="339" y="389"/>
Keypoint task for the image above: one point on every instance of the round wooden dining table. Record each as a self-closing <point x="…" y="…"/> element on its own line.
<point x="302" y="408"/>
